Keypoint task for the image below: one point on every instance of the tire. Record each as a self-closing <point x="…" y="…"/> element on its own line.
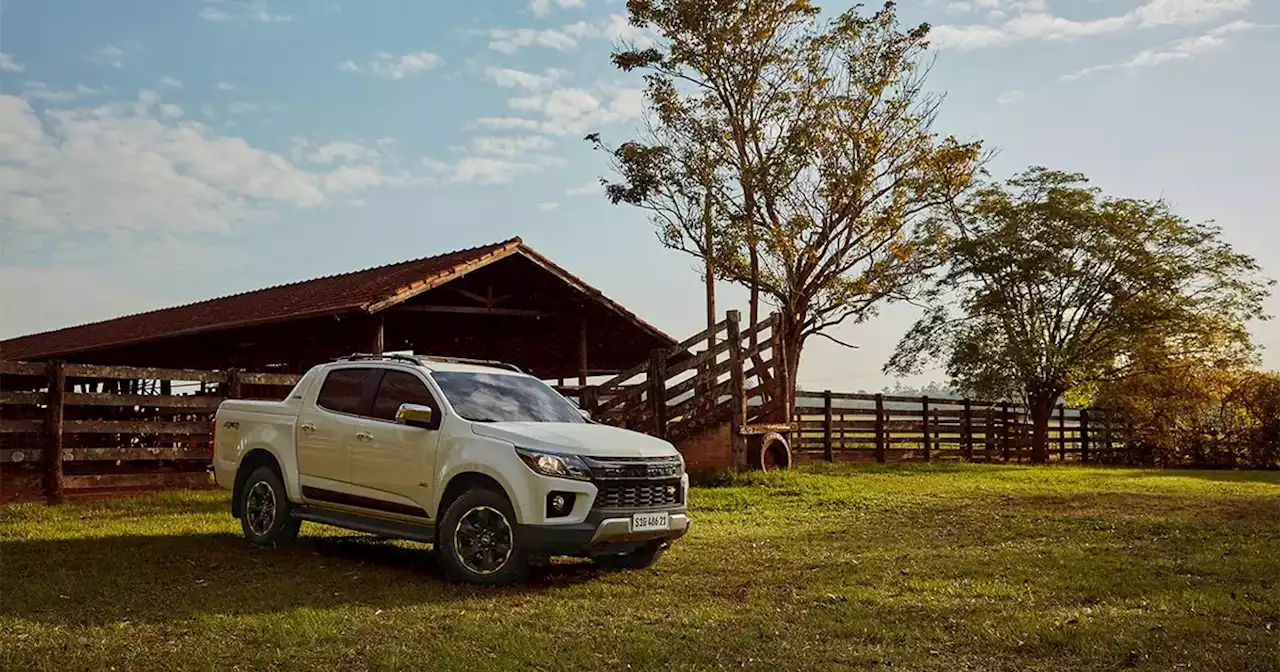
<point x="642" y="558"/>
<point x="477" y="542"/>
<point x="266" y="515"/>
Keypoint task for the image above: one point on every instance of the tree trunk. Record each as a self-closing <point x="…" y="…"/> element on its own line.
<point x="793" y="338"/>
<point x="1042" y="405"/>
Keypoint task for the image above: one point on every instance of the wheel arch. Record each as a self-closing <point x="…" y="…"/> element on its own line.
<point x="252" y="460"/>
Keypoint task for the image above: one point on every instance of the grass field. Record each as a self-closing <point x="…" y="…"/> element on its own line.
<point x="848" y="567"/>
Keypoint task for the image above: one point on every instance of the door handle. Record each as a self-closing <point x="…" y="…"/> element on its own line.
<point x="308" y="428"/>
<point x="364" y="436"/>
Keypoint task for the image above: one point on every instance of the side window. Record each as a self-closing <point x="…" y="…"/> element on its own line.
<point x="400" y="387"/>
<point x="343" y="390"/>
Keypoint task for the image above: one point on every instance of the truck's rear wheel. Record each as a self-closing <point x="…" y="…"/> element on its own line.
<point x="477" y="541"/>
<point x="266" y="515"/>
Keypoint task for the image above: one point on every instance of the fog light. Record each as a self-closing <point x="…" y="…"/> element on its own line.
<point x="559" y="504"/>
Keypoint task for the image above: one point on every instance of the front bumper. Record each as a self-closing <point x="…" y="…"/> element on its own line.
<point x="604" y="532"/>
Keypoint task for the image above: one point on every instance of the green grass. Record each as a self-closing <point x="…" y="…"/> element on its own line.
<point x="962" y="567"/>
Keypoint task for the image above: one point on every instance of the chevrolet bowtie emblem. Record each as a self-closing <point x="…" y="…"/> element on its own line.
<point x="671" y="489"/>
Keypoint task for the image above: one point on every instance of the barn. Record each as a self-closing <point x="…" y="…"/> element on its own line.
<point x="500" y="301"/>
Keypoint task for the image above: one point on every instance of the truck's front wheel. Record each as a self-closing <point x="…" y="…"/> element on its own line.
<point x="477" y="541"/>
<point x="265" y="512"/>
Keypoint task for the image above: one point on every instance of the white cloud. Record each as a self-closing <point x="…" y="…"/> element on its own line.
<point x="508" y="123"/>
<point x="242" y="107"/>
<point x="1009" y="97"/>
<point x="567" y="110"/>
<point x="616" y="28"/>
<point x="170" y="82"/>
<point x="1033" y="21"/>
<point x="548" y="206"/>
<point x="342" y="150"/>
<point x="512" y="40"/>
<point x="391" y="66"/>
<point x="138" y="169"/>
<point x="585" y="190"/>
<point x="1178" y="50"/>
<point x="512" y="78"/>
<point x="511" y="147"/>
<point x="485" y="170"/>
<point x="229" y="11"/>
<point x="109" y="55"/>
<point x="9" y="64"/>
<point x="225" y="86"/>
<point x="959" y="8"/>
<point x="41" y="91"/>
<point x="1165" y="12"/>
<point x="541" y="8"/>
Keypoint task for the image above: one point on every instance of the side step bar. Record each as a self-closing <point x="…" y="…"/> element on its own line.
<point x="388" y="528"/>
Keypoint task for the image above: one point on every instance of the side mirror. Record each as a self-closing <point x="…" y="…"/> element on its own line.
<point x="585" y="414"/>
<point x="415" y="415"/>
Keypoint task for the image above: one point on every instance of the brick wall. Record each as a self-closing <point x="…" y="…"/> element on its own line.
<point x="709" y="449"/>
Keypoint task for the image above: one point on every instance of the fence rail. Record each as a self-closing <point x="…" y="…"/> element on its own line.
<point x="837" y="425"/>
<point x="90" y="427"/>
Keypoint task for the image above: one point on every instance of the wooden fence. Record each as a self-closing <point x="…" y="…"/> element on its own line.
<point x="842" y="426"/>
<point x="84" y="428"/>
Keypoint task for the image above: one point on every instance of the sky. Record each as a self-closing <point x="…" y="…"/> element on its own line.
<point x="157" y="152"/>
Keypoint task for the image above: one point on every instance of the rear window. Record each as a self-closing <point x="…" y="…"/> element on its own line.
<point x="343" y="390"/>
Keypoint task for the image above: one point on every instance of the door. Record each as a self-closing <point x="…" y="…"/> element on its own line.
<point x="325" y="428"/>
<point x="393" y="462"/>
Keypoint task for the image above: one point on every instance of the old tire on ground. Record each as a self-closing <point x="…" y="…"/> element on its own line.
<point x="769" y="451"/>
<point x="266" y="515"/>
<point x="477" y="542"/>
<point x="641" y="558"/>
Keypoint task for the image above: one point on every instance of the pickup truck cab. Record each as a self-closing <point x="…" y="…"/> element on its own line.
<point x="491" y="465"/>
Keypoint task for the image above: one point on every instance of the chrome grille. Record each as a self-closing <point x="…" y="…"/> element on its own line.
<point x="637" y="494"/>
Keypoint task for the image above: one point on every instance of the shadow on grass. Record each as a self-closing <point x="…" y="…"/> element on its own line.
<point x="97" y="581"/>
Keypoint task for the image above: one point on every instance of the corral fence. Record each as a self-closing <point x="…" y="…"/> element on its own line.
<point x="843" y="426"/>
<point x="86" y="428"/>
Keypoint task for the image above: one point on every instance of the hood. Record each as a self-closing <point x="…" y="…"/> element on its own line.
<point x="577" y="438"/>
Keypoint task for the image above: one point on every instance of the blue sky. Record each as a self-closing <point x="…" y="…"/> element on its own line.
<point x="157" y="152"/>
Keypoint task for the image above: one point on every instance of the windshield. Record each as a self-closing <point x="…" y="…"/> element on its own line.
<point x="496" y="397"/>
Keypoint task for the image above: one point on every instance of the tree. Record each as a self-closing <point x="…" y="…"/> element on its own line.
<point x="1059" y="288"/>
<point x="816" y="143"/>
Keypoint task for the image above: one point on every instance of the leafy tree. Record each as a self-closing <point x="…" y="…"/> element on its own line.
<point x="813" y="141"/>
<point x="1058" y="287"/>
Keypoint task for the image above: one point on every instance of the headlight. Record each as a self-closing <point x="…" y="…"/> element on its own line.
<point x="551" y="464"/>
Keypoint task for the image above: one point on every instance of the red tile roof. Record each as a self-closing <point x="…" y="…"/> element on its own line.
<point x="371" y="289"/>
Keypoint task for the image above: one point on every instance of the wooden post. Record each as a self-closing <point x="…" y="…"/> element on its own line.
<point x="826" y="426"/>
<point x="53" y="491"/>
<point x="233" y="383"/>
<point x="582" y="353"/>
<point x="376" y="338"/>
<point x="1106" y="435"/>
<point x="966" y="430"/>
<point x="737" y="390"/>
<point x="1062" y="433"/>
<point x="880" y="437"/>
<point x="658" y="391"/>
<point x="590" y="400"/>
<point x="1004" y="430"/>
<point x="1084" y="435"/>
<point x="785" y="389"/>
<point x="924" y="407"/>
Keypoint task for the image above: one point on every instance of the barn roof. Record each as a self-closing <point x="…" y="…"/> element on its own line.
<point x="370" y="290"/>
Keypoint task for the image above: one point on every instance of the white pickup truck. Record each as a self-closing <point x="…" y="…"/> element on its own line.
<point x="490" y="465"/>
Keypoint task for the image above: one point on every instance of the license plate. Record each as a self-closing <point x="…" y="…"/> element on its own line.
<point x="647" y="522"/>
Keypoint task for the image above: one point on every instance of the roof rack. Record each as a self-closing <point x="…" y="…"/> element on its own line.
<point x="359" y="356"/>
<point x="420" y="359"/>
<point x="478" y="362"/>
